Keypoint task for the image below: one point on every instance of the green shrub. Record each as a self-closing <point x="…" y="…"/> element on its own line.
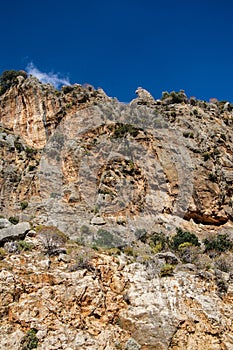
<point x="219" y="243"/>
<point x="2" y="253"/>
<point x="25" y="246"/>
<point x="24" y="205"/>
<point x="30" y="340"/>
<point x="166" y="270"/>
<point x="206" y="156"/>
<point x="184" y="245"/>
<point x="9" y="78"/>
<point x="223" y="264"/>
<point x="14" y="220"/>
<point x="106" y="239"/>
<point x="18" y="145"/>
<point x="30" y="151"/>
<point x="184" y="237"/>
<point x="174" y="97"/>
<point x="128" y="251"/>
<point x="122" y="130"/>
<point x="159" y="240"/>
<point x="31" y="167"/>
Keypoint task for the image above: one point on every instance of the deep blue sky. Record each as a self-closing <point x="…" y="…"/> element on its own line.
<point x="120" y="45"/>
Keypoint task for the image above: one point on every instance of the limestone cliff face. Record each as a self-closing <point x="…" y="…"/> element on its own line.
<point x="31" y="110"/>
<point x="110" y="174"/>
<point x="90" y="155"/>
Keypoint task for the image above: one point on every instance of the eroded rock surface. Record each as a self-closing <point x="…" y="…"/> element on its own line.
<point x="110" y="174"/>
<point x="79" y="151"/>
<point x="113" y="302"/>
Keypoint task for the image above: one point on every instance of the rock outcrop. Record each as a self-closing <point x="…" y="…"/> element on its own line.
<point x="14" y="232"/>
<point x="111" y="176"/>
<point x="31" y="110"/>
<point x="78" y="152"/>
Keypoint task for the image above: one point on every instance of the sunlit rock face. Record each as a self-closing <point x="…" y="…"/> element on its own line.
<point x="111" y="302"/>
<point x="80" y="152"/>
<point x="112" y="175"/>
<point x="32" y="111"/>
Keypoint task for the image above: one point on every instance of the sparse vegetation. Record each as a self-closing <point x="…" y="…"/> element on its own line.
<point x="83" y="260"/>
<point x="106" y="239"/>
<point x="2" y="253"/>
<point x="188" y="134"/>
<point x="29" y="151"/>
<point x="160" y="241"/>
<point x="174" y="97"/>
<point x="18" y="145"/>
<point x="68" y="88"/>
<point x="118" y="177"/>
<point x="166" y="270"/>
<point x="85" y="229"/>
<point x="219" y="243"/>
<point x="30" y="340"/>
<point x="128" y="250"/>
<point x="25" y="246"/>
<point x="183" y="237"/>
<point x="24" y="205"/>
<point x="223" y="263"/>
<point x="14" y="220"/>
<point x="31" y="168"/>
<point x="52" y="239"/>
<point x="212" y="177"/>
<point x="206" y="156"/>
<point x="122" y="130"/>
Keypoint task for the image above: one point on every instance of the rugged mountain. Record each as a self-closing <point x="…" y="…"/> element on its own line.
<point x="125" y="179"/>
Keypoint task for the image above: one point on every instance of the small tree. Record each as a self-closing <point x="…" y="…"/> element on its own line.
<point x="51" y="238"/>
<point x="9" y="78"/>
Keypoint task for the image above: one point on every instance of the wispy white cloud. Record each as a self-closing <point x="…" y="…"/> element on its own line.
<point x="47" y="78"/>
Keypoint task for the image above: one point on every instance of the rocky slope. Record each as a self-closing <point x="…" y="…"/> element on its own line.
<point x="111" y="175"/>
<point x="87" y="299"/>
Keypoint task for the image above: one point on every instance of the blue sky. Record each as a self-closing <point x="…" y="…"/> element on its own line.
<point x="120" y="45"/>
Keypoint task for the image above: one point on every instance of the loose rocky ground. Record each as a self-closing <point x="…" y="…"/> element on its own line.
<point x="58" y="294"/>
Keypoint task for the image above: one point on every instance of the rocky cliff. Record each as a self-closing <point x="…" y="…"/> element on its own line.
<point x="124" y="179"/>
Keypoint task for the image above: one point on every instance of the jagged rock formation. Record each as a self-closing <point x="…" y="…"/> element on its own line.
<point x="65" y="149"/>
<point x="111" y="174"/>
<point x="33" y="110"/>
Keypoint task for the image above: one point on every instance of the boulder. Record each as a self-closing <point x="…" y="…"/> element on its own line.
<point x="98" y="220"/>
<point x="132" y="345"/>
<point x="4" y="223"/>
<point x="169" y="257"/>
<point x="14" y="232"/>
